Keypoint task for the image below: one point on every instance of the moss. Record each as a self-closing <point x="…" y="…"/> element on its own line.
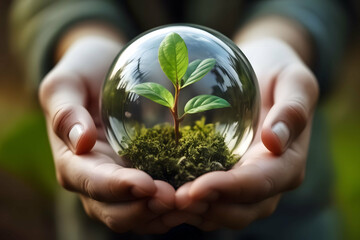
<point x="200" y="150"/>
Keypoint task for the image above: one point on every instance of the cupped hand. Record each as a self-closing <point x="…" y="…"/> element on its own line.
<point x="275" y="161"/>
<point x="123" y="198"/>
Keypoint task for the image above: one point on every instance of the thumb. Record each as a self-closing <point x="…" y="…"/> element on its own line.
<point x="295" y="95"/>
<point x="63" y="97"/>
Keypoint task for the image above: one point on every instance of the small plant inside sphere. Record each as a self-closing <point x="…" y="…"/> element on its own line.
<point x="173" y="58"/>
<point x="175" y="151"/>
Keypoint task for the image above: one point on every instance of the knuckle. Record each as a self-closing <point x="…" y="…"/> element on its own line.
<point x="297" y="113"/>
<point x="61" y="116"/>
<point x="263" y="183"/>
<point x="118" y="183"/>
<point x="269" y="187"/>
<point x="87" y="187"/>
<point x="112" y="223"/>
<point x="115" y="180"/>
<point x="113" y="187"/>
<point x="115" y="224"/>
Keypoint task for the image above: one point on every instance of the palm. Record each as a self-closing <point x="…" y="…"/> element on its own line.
<point x="124" y="199"/>
<point x="252" y="189"/>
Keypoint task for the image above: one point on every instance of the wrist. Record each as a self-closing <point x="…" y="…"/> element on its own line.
<point x="281" y="29"/>
<point x="85" y="30"/>
<point x="269" y="54"/>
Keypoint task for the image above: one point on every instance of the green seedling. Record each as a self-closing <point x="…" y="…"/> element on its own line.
<point x="174" y="61"/>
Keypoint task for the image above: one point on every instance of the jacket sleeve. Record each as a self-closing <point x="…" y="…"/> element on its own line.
<point x="327" y="23"/>
<point x="37" y="24"/>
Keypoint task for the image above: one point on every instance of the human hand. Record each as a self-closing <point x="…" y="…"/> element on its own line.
<point x="122" y="198"/>
<point x="275" y="161"/>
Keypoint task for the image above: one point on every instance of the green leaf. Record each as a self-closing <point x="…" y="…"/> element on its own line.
<point x="154" y="92"/>
<point x="203" y="103"/>
<point x="191" y="68"/>
<point x="197" y="70"/>
<point x="173" y="57"/>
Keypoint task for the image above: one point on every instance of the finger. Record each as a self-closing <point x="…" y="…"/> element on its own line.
<point x="252" y="182"/>
<point x="119" y="217"/>
<point x="237" y="216"/>
<point x="175" y="218"/>
<point x="97" y="176"/>
<point x="182" y="198"/>
<point x="63" y="97"/>
<point x="185" y="202"/>
<point x="164" y="198"/>
<point x="295" y="96"/>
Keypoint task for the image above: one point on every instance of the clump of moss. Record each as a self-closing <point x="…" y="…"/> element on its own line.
<point x="199" y="150"/>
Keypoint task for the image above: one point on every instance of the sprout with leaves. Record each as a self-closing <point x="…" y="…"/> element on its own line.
<point x="174" y="61"/>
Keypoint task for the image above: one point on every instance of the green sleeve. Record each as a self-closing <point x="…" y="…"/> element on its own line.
<point x="36" y="25"/>
<point x="327" y="23"/>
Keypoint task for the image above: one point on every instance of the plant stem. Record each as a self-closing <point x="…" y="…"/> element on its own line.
<point x="174" y="112"/>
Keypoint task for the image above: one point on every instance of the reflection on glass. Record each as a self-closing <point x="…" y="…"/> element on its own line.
<point x="232" y="78"/>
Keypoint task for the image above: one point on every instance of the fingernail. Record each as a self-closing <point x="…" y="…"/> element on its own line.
<point x="75" y="133"/>
<point x="282" y="132"/>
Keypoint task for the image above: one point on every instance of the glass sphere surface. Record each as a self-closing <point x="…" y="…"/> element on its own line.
<point x="232" y="78"/>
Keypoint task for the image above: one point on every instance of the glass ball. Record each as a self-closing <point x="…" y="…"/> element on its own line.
<point x="232" y="78"/>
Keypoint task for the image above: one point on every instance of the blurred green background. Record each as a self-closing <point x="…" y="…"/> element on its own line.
<point x="28" y="187"/>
